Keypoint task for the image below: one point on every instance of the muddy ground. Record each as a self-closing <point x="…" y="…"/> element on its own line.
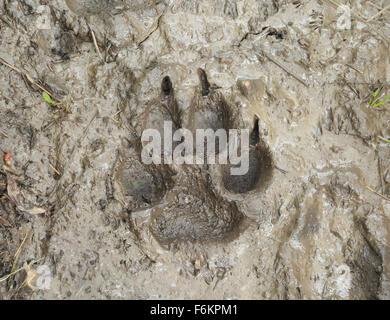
<point x="314" y="223"/>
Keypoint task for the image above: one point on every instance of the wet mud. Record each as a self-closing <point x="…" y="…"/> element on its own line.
<point x="309" y="220"/>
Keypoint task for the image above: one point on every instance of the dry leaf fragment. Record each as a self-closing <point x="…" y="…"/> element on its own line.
<point x="14" y="195"/>
<point x="13" y="191"/>
<point x="31" y="274"/>
<point x="5" y="222"/>
<point x="8" y="169"/>
<point x="36" y="210"/>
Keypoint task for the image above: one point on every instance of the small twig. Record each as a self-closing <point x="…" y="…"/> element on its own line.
<point x="154" y="6"/>
<point x="32" y="81"/>
<point x="29" y="78"/>
<point x="114" y="115"/>
<point x="377" y="193"/>
<point x="285" y="69"/>
<point x="381" y="177"/>
<point x="95" y="43"/>
<point x="155" y="26"/>
<point x="9" y="65"/>
<point x="379" y="13"/>
<point x="374" y="5"/>
<point x="11" y="274"/>
<point x="353" y="68"/>
<point x="3" y="133"/>
<point x="16" y="271"/>
<point x="281" y="170"/>
<point x="17" y="254"/>
<point x="54" y="169"/>
<point x="353" y="90"/>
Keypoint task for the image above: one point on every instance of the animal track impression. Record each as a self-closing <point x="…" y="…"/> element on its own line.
<point x="185" y="205"/>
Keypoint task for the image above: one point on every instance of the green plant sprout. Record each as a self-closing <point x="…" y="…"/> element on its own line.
<point x="377" y="100"/>
<point x="50" y="101"/>
<point x="385" y="140"/>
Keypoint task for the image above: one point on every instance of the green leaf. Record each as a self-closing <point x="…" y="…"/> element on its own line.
<point x="372" y="102"/>
<point x="47" y="98"/>
<point x="386" y="140"/>
<point x="377" y="92"/>
<point x="387" y="97"/>
<point x="379" y="104"/>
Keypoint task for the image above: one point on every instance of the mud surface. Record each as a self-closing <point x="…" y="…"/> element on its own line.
<point x="310" y="220"/>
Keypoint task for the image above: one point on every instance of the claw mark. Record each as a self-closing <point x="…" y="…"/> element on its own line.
<point x="166" y="86"/>
<point x="205" y="83"/>
<point x="254" y="138"/>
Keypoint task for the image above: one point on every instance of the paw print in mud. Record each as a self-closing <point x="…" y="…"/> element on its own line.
<point x="192" y="202"/>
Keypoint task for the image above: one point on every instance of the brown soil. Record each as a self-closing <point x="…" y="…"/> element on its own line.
<point x="115" y="228"/>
